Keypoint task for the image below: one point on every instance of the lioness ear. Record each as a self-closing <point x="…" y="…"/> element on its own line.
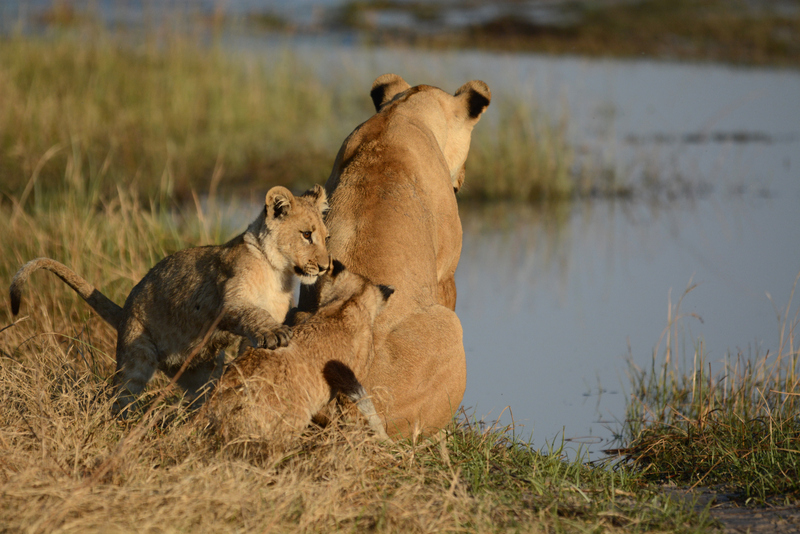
<point x="338" y="267"/>
<point x="318" y="196"/>
<point x="386" y="291"/>
<point x="476" y="96"/>
<point x="279" y="201"/>
<point x="385" y="88"/>
<point x="459" y="180"/>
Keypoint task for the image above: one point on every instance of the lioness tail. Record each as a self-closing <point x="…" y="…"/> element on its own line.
<point x="108" y="310"/>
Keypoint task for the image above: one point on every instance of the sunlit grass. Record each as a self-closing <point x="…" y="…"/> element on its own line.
<point x="738" y="427"/>
<point x="169" y="115"/>
<point x="68" y="466"/>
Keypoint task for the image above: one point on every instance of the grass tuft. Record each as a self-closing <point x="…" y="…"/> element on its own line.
<point x="738" y="427"/>
<point x="169" y="115"/>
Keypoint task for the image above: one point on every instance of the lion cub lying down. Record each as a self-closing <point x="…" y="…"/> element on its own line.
<point x="273" y="394"/>
<point x="244" y="287"/>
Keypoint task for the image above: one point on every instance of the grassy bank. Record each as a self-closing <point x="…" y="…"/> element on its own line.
<point x="738" y="427"/>
<point x="173" y="115"/>
<point x="67" y="466"/>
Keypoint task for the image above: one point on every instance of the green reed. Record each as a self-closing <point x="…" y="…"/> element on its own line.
<point x="738" y="427"/>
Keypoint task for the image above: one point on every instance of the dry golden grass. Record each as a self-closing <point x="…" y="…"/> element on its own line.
<point x="183" y="116"/>
<point x="67" y="466"/>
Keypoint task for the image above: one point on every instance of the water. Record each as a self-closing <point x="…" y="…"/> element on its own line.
<point x="550" y="317"/>
<point x="548" y="332"/>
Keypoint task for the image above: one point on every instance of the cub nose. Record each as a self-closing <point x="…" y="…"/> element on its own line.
<point x="324" y="268"/>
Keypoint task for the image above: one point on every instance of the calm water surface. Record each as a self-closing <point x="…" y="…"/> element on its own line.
<point x="552" y="312"/>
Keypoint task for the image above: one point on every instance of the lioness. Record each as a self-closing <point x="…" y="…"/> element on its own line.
<point x="273" y="394"/>
<point x="242" y="288"/>
<point x="393" y="218"/>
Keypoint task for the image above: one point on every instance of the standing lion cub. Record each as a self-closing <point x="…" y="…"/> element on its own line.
<point x="242" y="288"/>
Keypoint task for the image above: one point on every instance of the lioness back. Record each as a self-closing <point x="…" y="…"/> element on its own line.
<point x="394" y="219"/>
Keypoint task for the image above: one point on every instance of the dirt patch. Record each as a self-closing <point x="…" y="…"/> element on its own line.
<point x="780" y="516"/>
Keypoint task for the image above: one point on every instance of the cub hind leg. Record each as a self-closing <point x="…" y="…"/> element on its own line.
<point x="358" y="395"/>
<point x="137" y="360"/>
<point x="199" y="379"/>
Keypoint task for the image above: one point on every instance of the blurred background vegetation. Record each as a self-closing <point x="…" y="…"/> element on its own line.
<point x="94" y="94"/>
<point x="753" y="32"/>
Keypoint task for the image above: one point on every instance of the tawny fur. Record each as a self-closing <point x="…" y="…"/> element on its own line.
<point x="273" y="394"/>
<point x="394" y="219"/>
<point x="241" y="289"/>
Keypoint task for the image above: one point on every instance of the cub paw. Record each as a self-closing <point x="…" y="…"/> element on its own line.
<point x="284" y="334"/>
<point x="277" y="337"/>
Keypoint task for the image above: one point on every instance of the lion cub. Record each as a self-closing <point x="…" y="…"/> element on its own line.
<point x="274" y="394"/>
<point x="242" y="288"/>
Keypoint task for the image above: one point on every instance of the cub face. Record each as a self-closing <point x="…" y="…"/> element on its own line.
<point x="296" y="232"/>
<point x="450" y="117"/>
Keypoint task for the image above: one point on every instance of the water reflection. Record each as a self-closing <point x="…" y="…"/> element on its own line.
<point x="552" y="308"/>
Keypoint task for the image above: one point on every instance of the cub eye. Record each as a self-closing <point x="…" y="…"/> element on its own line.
<point x="306" y="235"/>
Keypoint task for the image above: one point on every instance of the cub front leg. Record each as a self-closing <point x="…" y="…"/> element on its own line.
<point x="257" y="325"/>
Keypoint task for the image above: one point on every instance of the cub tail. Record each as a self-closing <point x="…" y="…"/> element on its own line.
<point x="108" y="310"/>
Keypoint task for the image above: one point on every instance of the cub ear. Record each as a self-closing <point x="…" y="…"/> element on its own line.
<point x="318" y="197"/>
<point x="279" y="202"/>
<point x="476" y="97"/>
<point x="386" y="291"/>
<point x="338" y="267"/>
<point x="385" y="88"/>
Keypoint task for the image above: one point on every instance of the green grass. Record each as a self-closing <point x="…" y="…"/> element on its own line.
<point x="168" y="116"/>
<point x="739" y="427"/>
<point x="67" y="466"/>
<point x="90" y="109"/>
